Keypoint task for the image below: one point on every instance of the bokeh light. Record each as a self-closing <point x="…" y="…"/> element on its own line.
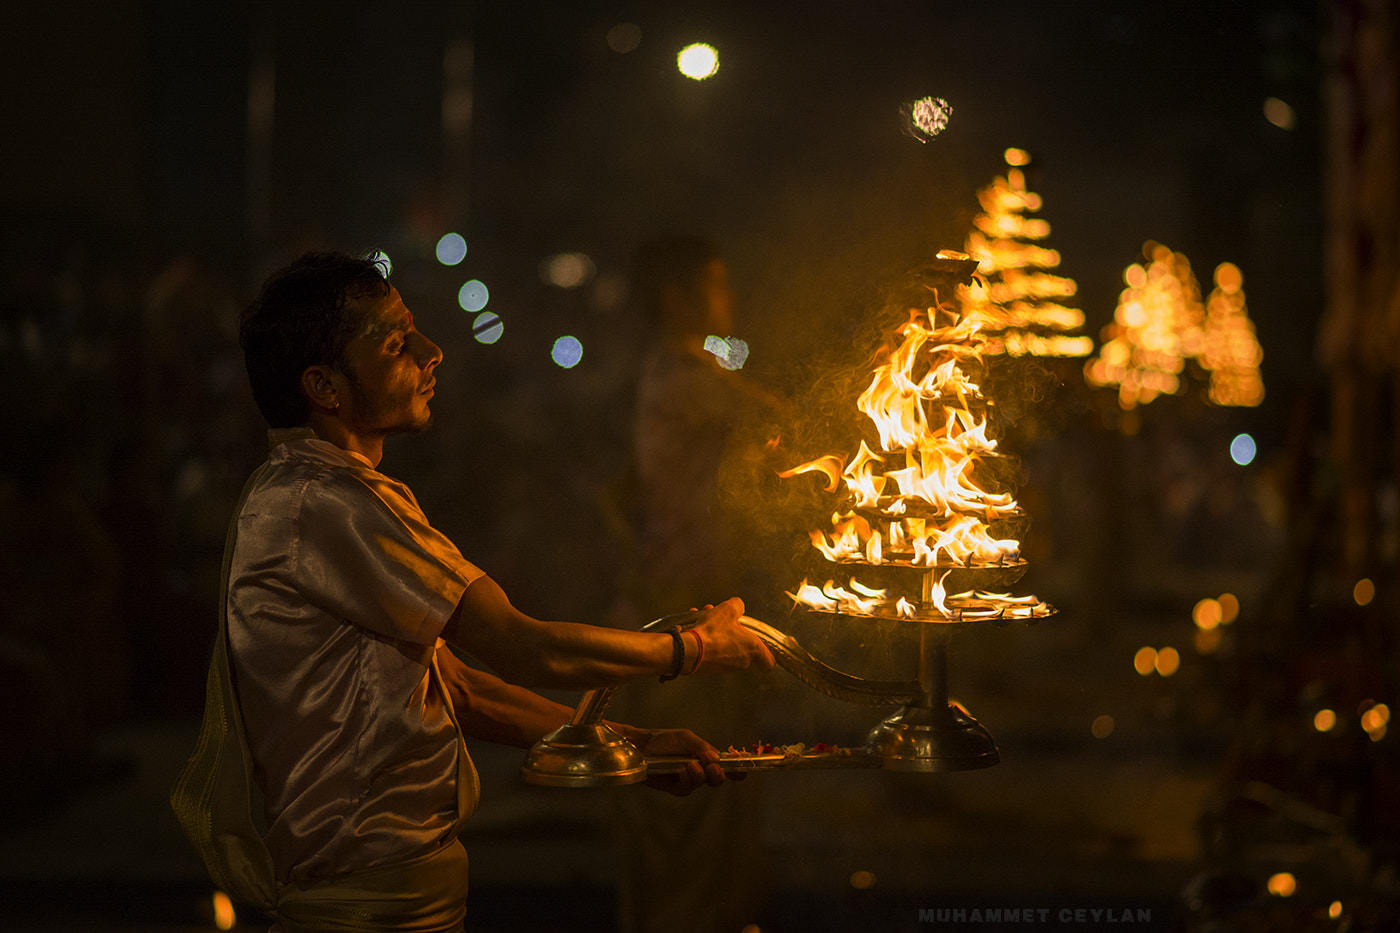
<point x="1207" y="614"/>
<point x="1231" y="352"/>
<point x="1325" y="720"/>
<point x="1102" y="726"/>
<point x="1363" y="592"/>
<point x="698" y="61"/>
<point x="624" y="37"/>
<point x="1207" y="641"/>
<point x="473" y="296"/>
<point x="1145" y="661"/>
<point x="1280" y="113"/>
<point x="567" y="270"/>
<point x="1157" y="326"/>
<point x="928" y="117"/>
<point x="381" y="259"/>
<point x="488" y="327"/>
<point x="1243" y="449"/>
<point x="1168" y="660"/>
<point x="1375" y="719"/>
<point x="1335" y="910"/>
<point x="862" y="880"/>
<point x="1283" y="884"/>
<point x="1021" y="304"/>
<point x="567" y="352"/>
<point x="1229" y="608"/>
<point x="1017" y="157"/>
<point x="224" y="916"/>
<point x="451" y="249"/>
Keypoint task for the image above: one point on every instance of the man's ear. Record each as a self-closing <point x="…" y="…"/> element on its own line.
<point x="320" y="387"/>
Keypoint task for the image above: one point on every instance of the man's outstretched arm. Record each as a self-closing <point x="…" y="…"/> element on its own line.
<point x="569" y="655"/>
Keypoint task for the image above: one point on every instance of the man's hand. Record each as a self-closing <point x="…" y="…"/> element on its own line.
<point x="727" y="645"/>
<point x="705" y="769"/>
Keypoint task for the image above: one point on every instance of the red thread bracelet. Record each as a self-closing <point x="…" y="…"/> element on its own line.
<point x="699" y="650"/>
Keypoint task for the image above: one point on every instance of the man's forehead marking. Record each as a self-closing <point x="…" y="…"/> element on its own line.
<point x="393" y="317"/>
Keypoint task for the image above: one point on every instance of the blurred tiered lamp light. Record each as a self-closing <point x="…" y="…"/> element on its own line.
<point x="1017" y="297"/>
<point x="928" y="526"/>
<point x="1161" y="324"/>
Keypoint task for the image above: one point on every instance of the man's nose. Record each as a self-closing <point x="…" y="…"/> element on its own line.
<point x="429" y="354"/>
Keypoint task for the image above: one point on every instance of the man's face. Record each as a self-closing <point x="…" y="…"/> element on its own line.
<point x="389" y="368"/>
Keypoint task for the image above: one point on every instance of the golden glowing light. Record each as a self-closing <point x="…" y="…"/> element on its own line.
<point x="1017" y="299"/>
<point x="1102" y="726"/>
<point x="1325" y="720"/>
<point x="1168" y="661"/>
<point x="1207" y="641"/>
<point x="1375" y="719"/>
<point x="698" y="61"/>
<point x="1231" y="351"/>
<point x="1145" y="661"/>
<point x="1282" y="884"/>
<point x="1363" y="592"/>
<point x="1334" y="910"/>
<point x="1161" y="323"/>
<point x="915" y="498"/>
<point x="224" y="917"/>
<point x="1207" y="614"/>
<point x="1157" y="326"/>
<point x="1229" y="608"/>
<point x="1280" y="113"/>
<point x="862" y="880"/>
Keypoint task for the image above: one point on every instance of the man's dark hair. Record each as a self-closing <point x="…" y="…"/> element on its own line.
<point x="666" y="262"/>
<point x="304" y="316"/>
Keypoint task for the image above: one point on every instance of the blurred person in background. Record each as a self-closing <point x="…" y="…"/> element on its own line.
<point x="696" y="864"/>
<point x="334" y="691"/>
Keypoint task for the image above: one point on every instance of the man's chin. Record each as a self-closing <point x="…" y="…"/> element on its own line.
<point x="412" y="427"/>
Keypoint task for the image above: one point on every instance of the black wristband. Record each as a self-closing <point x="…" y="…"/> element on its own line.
<point x="677" y="654"/>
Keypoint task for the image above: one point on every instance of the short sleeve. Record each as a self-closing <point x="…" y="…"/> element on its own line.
<point x="365" y="552"/>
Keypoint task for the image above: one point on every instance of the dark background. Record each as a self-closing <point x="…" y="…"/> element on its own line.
<point x="161" y="157"/>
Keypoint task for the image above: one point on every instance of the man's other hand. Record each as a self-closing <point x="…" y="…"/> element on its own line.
<point x="704" y="768"/>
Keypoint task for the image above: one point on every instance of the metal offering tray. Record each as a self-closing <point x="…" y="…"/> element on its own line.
<point x="926" y="733"/>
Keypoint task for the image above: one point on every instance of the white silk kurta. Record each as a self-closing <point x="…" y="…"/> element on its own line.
<point x="338" y="591"/>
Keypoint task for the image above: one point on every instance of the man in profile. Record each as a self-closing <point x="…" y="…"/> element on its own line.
<point x="333" y="691"/>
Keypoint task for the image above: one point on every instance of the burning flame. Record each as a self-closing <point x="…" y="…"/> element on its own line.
<point x="832" y="598"/>
<point x="930" y="510"/>
<point x="914" y="499"/>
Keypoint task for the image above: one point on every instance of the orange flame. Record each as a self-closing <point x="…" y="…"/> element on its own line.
<point x="914" y="498"/>
<point x="830" y="465"/>
<point x="931" y="510"/>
